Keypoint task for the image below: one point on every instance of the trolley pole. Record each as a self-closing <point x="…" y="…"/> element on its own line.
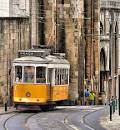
<point x="5" y="106"/>
<point x="110" y="111"/>
<point x="119" y="103"/>
<point x="119" y="95"/>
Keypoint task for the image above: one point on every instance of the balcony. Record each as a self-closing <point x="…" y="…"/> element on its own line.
<point x="104" y="38"/>
<point x="110" y="4"/>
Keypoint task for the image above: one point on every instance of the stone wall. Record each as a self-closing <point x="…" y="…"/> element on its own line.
<point x="14" y="35"/>
<point x="60" y="26"/>
<point x="110" y="41"/>
<point x="92" y="40"/>
<point x="62" y="22"/>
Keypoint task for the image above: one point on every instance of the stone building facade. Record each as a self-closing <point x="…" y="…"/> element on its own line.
<point x="14" y="35"/>
<point x="60" y="24"/>
<point x="68" y="26"/>
<point x="110" y="47"/>
<point x="92" y="44"/>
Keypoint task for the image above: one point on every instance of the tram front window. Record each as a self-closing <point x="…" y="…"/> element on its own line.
<point x="40" y="74"/>
<point x="18" y="73"/>
<point x="29" y="74"/>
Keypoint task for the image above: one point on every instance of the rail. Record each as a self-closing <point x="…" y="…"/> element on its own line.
<point x="113" y="106"/>
<point x="113" y="4"/>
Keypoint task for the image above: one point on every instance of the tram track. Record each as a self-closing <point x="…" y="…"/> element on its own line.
<point x="22" y="125"/>
<point x="71" y="119"/>
<point x="4" y="125"/>
<point x="70" y="126"/>
<point x="84" y="125"/>
<point x="74" y="127"/>
<point x="89" y="124"/>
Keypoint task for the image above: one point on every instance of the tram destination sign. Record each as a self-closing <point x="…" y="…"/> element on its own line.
<point x="32" y="52"/>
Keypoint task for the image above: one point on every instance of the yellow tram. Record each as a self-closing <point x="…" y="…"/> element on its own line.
<point x="40" y="78"/>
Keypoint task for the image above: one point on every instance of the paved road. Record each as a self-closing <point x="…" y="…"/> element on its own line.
<point x="62" y="118"/>
<point x="93" y="119"/>
<point x="68" y="118"/>
<point x="3" y="119"/>
<point x="17" y="121"/>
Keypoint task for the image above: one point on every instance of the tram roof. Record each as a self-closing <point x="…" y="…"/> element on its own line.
<point x="50" y="59"/>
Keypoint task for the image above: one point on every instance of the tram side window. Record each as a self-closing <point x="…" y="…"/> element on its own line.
<point x="66" y="76"/>
<point x="40" y="74"/>
<point x="49" y="75"/>
<point x="61" y="76"/>
<point x="56" y="77"/>
<point x="18" y="73"/>
<point x="29" y="74"/>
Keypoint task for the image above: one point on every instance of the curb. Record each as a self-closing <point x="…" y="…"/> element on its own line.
<point x="7" y="112"/>
<point x="111" y="125"/>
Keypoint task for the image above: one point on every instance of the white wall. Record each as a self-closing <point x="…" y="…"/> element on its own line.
<point x="119" y="42"/>
<point x="4" y="8"/>
<point x="19" y="8"/>
<point x="14" y="8"/>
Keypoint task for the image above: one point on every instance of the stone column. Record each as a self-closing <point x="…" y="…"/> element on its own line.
<point x="92" y="36"/>
<point x="34" y="17"/>
<point x="73" y="21"/>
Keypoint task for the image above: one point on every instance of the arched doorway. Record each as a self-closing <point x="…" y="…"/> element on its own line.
<point x="116" y="46"/>
<point x="102" y="69"/>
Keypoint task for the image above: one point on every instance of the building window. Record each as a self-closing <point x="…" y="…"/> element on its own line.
<point x="102" y="60"/>
<point x="101" y="28"/>
<point x="62" y="2"/>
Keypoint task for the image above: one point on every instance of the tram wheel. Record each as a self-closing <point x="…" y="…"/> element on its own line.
<point x="44" y="108"/>
<point x="47" y="107"/>
<point x="16" y="107"/>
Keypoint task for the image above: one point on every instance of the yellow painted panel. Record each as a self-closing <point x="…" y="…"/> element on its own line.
<point x="38" y="93"/>
<point x="59" y="92"/>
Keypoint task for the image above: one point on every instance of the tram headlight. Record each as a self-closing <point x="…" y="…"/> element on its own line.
<point x="28" y="94"/>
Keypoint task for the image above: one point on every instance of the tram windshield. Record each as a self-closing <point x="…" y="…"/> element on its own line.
<point x="29" y="74"/>
<point x="40" y="74"/>
<point x="18" y="73"/>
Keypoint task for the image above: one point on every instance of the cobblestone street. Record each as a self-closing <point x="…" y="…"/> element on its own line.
<point x="65" y="118"/>
<point x="62" y="118"/>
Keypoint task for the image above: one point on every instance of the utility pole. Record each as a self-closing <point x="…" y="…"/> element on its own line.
<point x="56" y="24"/>
<point x="30" y="20"/>
<point x="119" y="94"/>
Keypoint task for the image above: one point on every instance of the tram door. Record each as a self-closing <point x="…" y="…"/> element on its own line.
<point x="50" y="79"/>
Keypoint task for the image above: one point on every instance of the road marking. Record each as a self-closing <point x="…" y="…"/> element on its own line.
<point x="88" y="127"/>
<point x="70" y="125"/>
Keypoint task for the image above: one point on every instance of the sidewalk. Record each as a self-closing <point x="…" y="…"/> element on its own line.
<point x="9" y="110"/>
<point x="111" y="125"/>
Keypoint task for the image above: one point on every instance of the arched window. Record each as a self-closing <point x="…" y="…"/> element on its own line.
<point x="101" y="28"/>
<point x="116" y="42"/>
<point x="102" y="60"/>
